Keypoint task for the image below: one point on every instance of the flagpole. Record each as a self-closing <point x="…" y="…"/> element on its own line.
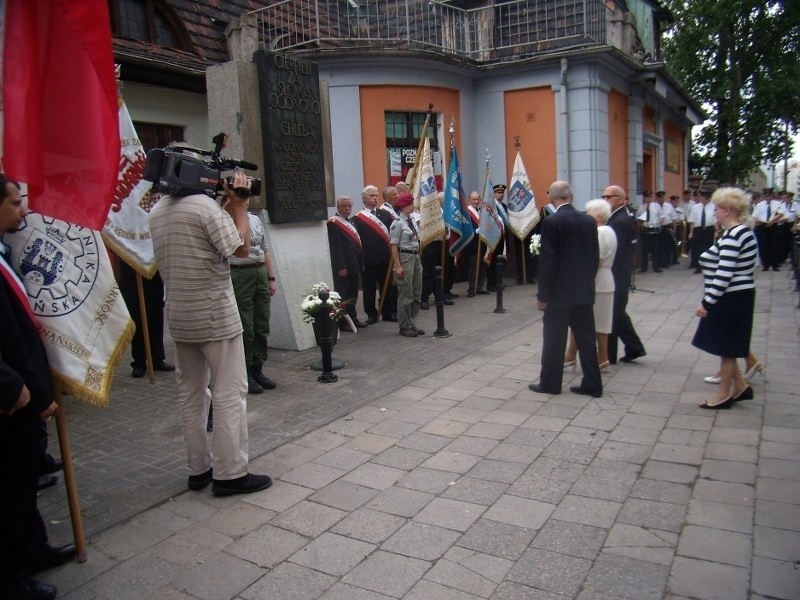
<point x="452" y="146"/>
<point x="385" y="288"/>
<point x="148" y="351"/>
<point x="69" y="476"/>
<point x="418" y="157"/>
<point x="523" y="257"/>
<point x="478" y="255"/>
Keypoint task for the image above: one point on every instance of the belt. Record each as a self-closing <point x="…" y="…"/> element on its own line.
<point x="653" y="229"/>
<point x="407" y="251"/>
<point x="248" y="266"/>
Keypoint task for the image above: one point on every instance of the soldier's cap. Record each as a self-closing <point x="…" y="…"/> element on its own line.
<point x="674" y="197"/>
<point x="769" y="190"/>
<point x="687" y="191"/>
<point x="704" y="192"/>
<point x="661" y="193"/>
<point x="647" y="194"/>
<point x="404" y="200"/>
<point x="499" y="188"/>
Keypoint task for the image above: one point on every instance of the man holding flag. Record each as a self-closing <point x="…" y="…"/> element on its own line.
<point x="490" y="226"/>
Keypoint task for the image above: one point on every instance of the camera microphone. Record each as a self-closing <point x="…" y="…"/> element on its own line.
<point x="242" y="164"/>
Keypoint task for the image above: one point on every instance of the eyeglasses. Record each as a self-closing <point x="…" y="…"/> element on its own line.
<point x="611" y="196"/>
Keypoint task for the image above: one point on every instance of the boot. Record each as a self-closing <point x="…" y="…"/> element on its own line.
<point x="262" y="380"/>
<point x="252" y="385"/>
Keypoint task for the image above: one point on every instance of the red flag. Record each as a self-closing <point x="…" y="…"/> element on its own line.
<point x="61" y="132"/>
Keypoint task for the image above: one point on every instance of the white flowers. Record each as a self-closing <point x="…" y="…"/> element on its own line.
<point x="311" y="304"/>
<point x="536" y="244"/>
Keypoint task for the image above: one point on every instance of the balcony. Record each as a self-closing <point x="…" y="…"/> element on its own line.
<point x="494" y="33"/>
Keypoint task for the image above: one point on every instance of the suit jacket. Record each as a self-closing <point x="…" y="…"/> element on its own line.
<point x="375" y="250"/>
<point x="23" y="360"/>
<point x="568" y="258"/>
<point x="345" y="252"/>
<point x="625" y="229"/>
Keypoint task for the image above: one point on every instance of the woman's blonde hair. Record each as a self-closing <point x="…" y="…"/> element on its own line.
<point x="735" y="200"/>
<point x="599" y="209"/>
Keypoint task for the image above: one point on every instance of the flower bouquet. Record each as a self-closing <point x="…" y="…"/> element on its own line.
<point x="536" y="244"/>
<point x="312" y="305"/>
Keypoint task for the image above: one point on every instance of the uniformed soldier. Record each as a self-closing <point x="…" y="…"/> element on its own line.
<point x="649" y="219"/>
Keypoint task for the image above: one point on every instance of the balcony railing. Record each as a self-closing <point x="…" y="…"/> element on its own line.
<point x="497" y="32"/>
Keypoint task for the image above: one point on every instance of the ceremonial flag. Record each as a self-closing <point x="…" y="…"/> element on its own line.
<point x="61" y="133"/>
<point x="431" y="223"/>
<point x="85" y="324"/>
<point x="456" y="215"/>
<point x="522" y="212"/>
<point x="490" y="227"/>
<point x="127" y="229"/>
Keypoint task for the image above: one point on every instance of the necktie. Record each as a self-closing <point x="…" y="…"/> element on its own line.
<point x="411" y="224"/>
<point x="374" y="212"/>
<point x="703" y="217"/>
<point x="647" y="218"/>
<point x="769" y="210"/>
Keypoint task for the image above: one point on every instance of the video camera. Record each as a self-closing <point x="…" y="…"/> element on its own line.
<point x="183" y="170"/>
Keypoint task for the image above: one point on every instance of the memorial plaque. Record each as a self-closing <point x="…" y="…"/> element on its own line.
<point x="294" y="170"/>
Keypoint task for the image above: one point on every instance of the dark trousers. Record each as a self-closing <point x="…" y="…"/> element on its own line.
<point x="702" y="239"/>
<point x="347" y="287"/>
<point x="522" y="255"/>
<point x="372" y="284"/>
<point x="22" y="530"/>
<point x="622" y="327"/>
<point x="668" y="250"/>
<point x="650" y="248"/>
<point x="153" y="290"/>
<point x="431" y="258"/>
<point x="556" y="322"/>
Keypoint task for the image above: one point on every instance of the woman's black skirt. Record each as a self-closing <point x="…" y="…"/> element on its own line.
<point x="727" y="329"/>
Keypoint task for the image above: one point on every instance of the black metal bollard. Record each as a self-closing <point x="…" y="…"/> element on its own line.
<point x="501" y="266"/>
<point x="325" y="340"/>
<point x="438" y="292"/>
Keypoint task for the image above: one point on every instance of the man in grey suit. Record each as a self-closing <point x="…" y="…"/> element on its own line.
<point x="568" y="262"/>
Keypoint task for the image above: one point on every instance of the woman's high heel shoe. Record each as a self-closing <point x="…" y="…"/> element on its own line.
<point x="570" y="363"/>
<point x="725" y="404"/>
<point x="712" y="379"/>
<point x="756" y="368"/>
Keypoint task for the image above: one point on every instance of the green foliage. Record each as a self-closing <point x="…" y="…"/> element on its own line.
<point x="741" y="60"/>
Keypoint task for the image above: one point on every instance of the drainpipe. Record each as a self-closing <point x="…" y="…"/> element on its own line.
<point x="564" y="122"/>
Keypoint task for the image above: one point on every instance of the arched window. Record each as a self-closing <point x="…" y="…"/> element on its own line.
<point x="152" y="21"/>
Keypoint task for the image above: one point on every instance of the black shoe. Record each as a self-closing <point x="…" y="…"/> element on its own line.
<point x="359" y="324"/>
<point x="423" y="304"/>
<point x="45" y="481"/>
<point x="491" y="289"/>
<point x="163" y="366"/>
<point x="138" y="372"/>
<point x="390" y="318"/>
<point x="246" y="484"/>
<point x="51" y="465"/>
<point x="535" y="387"/>
<point x="371" y="321"/>
<point x="697" y="271"/>
<point x="447" y="302"/>
<point x="658" y="270"/>
<point x="576" y="389"/>
<point x="264" y="381"/>
<point x="198" y="482"/>
<point x="725" y="404"/>
<point x="745" y="394"/>
<point x="418" y="331"/>
<point x="49" y="557"/>
<point x="632" y="356"/>
<point x="30" y="589"/>
<point x="253" y="386"/>
<point x="450" y="295"/>
<point x="482" y="292"/>
<point x="470" y="294"/>
<point x="408" y="332"/>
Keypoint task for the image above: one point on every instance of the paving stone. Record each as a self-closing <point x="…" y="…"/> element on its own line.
<point x="603" y="488"/>
<point x="540" y="486"/>
<point x="445" y="427"/>
<point x="220" y="577"/>
<point x="369" y="525"/>
<point x="673" y="472"/>
<point x="239" y="519"/>
<point x="627" y="577"/>
<point x="393" y="428"/>
<point x="267" y="546"/>
<point x="194" y="544"/>
<point x="780" y="469"/>
<point x="776" y="579"/>
<point x="472" y="445"/>
<point x="321" y="440"/>
<point x="707" y="581"/>
<point x="778" y="514"/>
<point x="522" y="512"/>
<point x="514" y="453"/>
<point x="420" y="540"/>
<point x="574" y="539"/>
<point x="342" y="591"/>
<point x="289" y="581"/>
<point x="734" y="452"/>
<point x="497" y="470"/>
<point x="374" y="476"/>
<point x="373" y="414"/>
<point x="467" y="415"/>
<point x="634" y="435"/>
<point x="129" y="539"/>
<point x="561" y="411"/>
<point x="371" y="443"/>
<point x="641" y="421"/>
<point x="492" y="431"/>
<point x="132" y="579"/>
<point x="722" y="491"/>
<point x="419" y="416"/>
<point x="550" y="571"/>
<point x="664" y="491"/>
<point x="343" y="495"/>
<point x="496" y="538"/>
<point x="651" y="545"/>
<point x="491" y="567"/>
<point x="724" y="470"/>
<point x="436" y="404"/>
<point x="342" y="458"/>
<point x="716" y="545"/>
<point x="697" y="422"/>
<point x="720" y="515"/>
<point x="778" y="544"/>
<point x="478" y="491"/>
<point x="451" y="461"/>
<point x="623" y="451"/>
<point x="424" y="442"/>
<point x="677" y="454"/>
<point x="288" y="457"/>
<point x="546" y="423"/>
<point x="453" y="575"/>
<point x="537" y="438"/>
<point x="400" y="501"/>
<point x="515" y="591"/>
<point x="656" y="515"/>
<point x="308" y="518"/>
<point x="505" y="417"/>
<point x="588" y="511"/>
<point x="387" y="573"/>
<point x="741" y="437"/>
<point x="401" y="458"/>
<point x="332" y="554"/>
<point x="572" y="452"/>
<point x="428" y="590"/>
<point x="313" y="476"/>
<point x="655" y="409"/>
<point x="778" y="490"/>
<point x="683" y="437"/>
<point x="451" y="514"/>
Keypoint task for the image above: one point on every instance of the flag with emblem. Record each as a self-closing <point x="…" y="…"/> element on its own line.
<point x="431" y="223"/>
<point x="456" y="215"/>
<point x="127" y="228"/>
<point x="490" y="227"/>
<point x="84" y="321"/>
<point x="522" y="212"/>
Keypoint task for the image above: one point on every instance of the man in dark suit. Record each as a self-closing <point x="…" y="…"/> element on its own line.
<point x="569" y="257"/>
<point x="346" y="256"/>
<point x="376" y="250"/>
<point x="625" y="230"/>
<point x="26" y="400"/>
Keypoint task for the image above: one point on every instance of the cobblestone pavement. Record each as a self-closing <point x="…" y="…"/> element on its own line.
<point x="431" y="471"/>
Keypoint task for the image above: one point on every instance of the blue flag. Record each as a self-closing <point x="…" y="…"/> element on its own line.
<point x="490" y="227"/>
<point x="456" y="216"/>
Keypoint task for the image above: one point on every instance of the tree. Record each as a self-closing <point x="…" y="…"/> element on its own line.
<point x="741" y="60"/>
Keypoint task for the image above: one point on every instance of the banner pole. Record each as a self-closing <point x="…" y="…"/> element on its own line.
<point x="148" y="352"/>
<point x="524" y="259"/>
<point x="385" y="288"/>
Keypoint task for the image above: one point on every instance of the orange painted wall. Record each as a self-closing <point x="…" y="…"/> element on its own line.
<point x="674" y="183"/>
<point x="375" y="100"/>
<point x="530" y="114"/>
<point x="618" y="139"/>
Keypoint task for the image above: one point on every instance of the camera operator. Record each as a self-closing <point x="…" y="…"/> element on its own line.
<point x="192" y="238"/>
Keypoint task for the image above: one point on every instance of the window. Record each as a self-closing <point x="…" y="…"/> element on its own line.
<point x="152" y="21"/>
<point x="157" y="135"/>
<point x="402" y="140"/>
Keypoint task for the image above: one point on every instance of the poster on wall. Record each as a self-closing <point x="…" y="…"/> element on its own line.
<point x="673" y="164"/>
<point x="401" y="162"/>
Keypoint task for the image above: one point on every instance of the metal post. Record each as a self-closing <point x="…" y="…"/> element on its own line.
<point x="501" y="265"/>
<point x="438" y="292"/>
<point x="325" y="340"/>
